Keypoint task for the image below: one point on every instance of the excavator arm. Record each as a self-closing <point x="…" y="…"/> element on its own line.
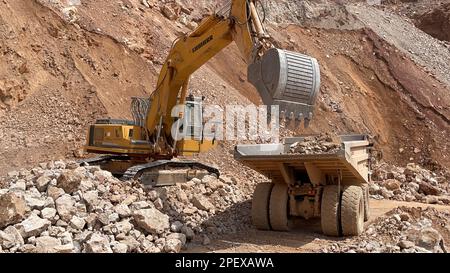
<point x="187" y="55"/>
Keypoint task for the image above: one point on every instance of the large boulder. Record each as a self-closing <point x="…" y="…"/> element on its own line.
<point x="35" y="202"/>
<point x="427" y="238"/>
<point x="201" y="202"/>
<point x="392" y="184"/>
<point x="33" y="226"/>
<point x="151" y="220"/>
<point x="98" y="244"/>
<point x="48" y="213"/>
<point x="47" y="244"/>
<point x="54" y="192"/>
<point x="70" y="180"/>
<point x="65" y="205"/>
<point x="10" y="237"/>
<point x="173" y="245"/>
<point x="43" y="182"/>
<point x="12" y="209"/>
<point x="428" y="189"/>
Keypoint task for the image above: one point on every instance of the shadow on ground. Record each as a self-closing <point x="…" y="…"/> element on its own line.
<point x="241" y="236"/>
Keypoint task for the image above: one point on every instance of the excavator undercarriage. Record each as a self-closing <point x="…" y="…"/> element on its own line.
<point x="155" y="173"/>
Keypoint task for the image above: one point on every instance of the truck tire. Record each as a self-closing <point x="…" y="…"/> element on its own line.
<point x="352" y="211"/>
<point x="330" y="211"/>
<point x="365" y="188"/>
<point x="278" y="208"/>
<point x="260" y="206"/>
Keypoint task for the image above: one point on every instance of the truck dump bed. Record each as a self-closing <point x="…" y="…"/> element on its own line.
<point x="351" y="162"/>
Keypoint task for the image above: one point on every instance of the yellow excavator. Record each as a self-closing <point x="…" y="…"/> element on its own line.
<point x="145" y="148"/>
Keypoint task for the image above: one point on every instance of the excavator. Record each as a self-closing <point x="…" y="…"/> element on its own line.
<point x="145" y="149"/>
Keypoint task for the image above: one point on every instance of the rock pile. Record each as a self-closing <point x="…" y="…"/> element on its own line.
<point x="411" y="183"/>
<point x="62" y="207"/>
<point x="320" y="144"/>
<point x="403" y="230"/>
<point x="212" y="206"/>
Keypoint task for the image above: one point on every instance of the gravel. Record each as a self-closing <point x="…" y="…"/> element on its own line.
<point x="403" y="230"/>
<point x="410" y="183"/>
<point x="422" y="48"/>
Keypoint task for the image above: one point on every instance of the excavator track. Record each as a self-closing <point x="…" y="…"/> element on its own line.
<point x="116" y="164"/>
<point x="164" y="172"/>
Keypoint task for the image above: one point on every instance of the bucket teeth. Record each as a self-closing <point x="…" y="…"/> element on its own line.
<point x="292" y="116"/>
<point x="297" y="117"/>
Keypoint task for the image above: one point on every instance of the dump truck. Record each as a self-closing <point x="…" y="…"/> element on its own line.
<point x="332" y="186"/>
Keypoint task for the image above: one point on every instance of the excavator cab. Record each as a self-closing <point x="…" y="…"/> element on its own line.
<point x="195" y="140"/>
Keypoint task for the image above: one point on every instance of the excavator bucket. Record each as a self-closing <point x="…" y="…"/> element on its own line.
<point x="288" y="79"/>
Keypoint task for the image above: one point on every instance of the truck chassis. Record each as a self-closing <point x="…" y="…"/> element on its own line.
<point x="333" y="186"/>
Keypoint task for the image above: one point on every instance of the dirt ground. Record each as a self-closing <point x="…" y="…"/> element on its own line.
<point x="305" y="238"/>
